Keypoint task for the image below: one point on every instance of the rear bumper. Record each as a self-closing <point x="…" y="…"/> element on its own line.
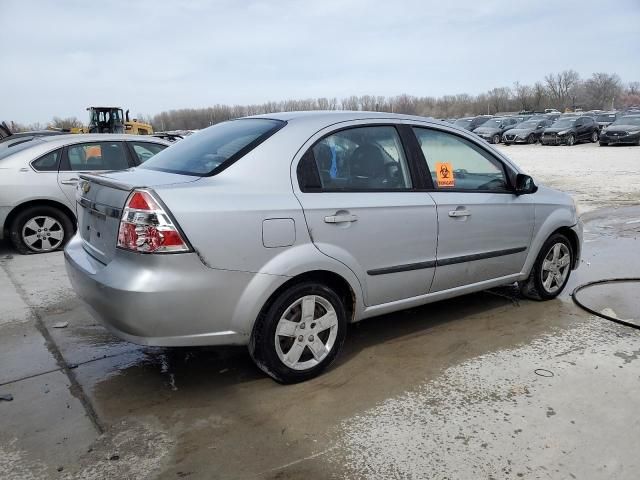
<point x="159" y="300"/>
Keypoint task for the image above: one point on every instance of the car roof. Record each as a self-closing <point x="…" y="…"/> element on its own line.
<point x="61" y="140"/>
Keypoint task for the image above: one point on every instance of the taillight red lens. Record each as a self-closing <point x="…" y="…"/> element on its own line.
<point x="145" y="226"/>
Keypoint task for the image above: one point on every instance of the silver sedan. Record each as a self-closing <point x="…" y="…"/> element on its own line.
<point x="276" y="231"/>
<point x="38" y="177"/>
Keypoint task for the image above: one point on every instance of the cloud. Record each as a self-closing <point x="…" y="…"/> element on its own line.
<point x="59" y="57"/>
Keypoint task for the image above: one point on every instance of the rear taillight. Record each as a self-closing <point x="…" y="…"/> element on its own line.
<point x="145" y="227"/>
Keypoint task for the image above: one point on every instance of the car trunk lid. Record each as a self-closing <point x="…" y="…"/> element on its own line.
<point x="101" y="199"/>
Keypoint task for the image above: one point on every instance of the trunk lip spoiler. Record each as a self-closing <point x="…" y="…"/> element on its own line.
<point x="107" y="182"/>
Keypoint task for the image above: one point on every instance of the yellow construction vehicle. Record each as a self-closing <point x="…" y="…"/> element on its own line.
<point x="111" y="120"/>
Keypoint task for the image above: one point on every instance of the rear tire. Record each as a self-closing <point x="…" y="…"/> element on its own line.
<point x="551" y="270"/>
<point x="495" y="139"/>
<point x="40" y="229"/>
<point x="300" y="333"/>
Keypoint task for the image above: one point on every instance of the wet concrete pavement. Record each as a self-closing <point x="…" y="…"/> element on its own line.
<point x="484" y="386"/>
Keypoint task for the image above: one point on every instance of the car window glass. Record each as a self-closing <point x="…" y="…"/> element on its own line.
<point x="457" y="164"/>
<point x="48" y="163"/>
<point x="97" y="156"/>
<point x="362" y="158"/>
<point x="145" y="150"/>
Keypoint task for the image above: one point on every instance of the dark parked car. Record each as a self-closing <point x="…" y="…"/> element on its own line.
<point x="624" y="130"/>
<point x="492" y="130"/>
<point x="571" y="130"/>
<point x="605" y="119"/>
<point x="471" y="123"/>
<point x="526" y="132"/>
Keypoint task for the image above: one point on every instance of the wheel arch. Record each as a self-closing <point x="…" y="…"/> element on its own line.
<point x="38" y="203"/>
<point x="573" y="240"/>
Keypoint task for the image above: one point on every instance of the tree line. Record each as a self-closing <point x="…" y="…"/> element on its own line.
<point x="562" y="91"/>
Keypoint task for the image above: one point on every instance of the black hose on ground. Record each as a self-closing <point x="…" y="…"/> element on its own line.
<point x="599" y="314"/>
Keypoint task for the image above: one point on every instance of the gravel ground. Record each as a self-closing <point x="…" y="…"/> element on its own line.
<point x="595" y="176"/>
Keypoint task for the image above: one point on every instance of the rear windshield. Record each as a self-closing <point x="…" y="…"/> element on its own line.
<point x="10" y="149"/>
<point x="215" y="148"/>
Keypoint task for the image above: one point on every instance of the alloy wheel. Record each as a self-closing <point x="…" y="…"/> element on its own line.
<point x="555" y="267"/>
<point x="42" y="233"/>
<point x="570" y="140"/>
<point x="594" y="137"/>
<point x="306" y="332"/>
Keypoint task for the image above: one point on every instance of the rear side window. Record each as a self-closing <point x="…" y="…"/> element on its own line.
<point x="215" y="148"/>
<point x="145" y="150"/>
<point x="49" y="163"/>
<point x="356" y="159"/>
<point x="97" y="156"/>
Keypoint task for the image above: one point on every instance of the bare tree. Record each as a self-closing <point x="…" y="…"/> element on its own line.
<point x="602" y="89"/>
<point x="65" y="123"/>
<point x="562" y="88"/>
<point x="524" y="95"/>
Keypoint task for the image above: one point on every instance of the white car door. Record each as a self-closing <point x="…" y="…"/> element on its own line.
<point x="362" y="209"/>
<point x="484" y="229"/>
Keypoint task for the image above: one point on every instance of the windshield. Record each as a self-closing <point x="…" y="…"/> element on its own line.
<point x="215" y="148"/>
<point x="495" y="122"/>
<point x="528" y="124"/>
<point x="462" y="122"/>
<point x="606" y="118"/>
<point x="565" y="122"/>
<point x="627" y="121"/>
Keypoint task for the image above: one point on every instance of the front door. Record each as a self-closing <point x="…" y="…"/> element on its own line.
<point x="362" y="209"/>
<point x="484" y="230"/>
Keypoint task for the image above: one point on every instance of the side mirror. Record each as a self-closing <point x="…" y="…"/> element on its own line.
<point x="525" y="185"/>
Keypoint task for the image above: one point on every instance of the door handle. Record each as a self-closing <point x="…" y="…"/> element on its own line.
<point x="459" y="213"/>
<point x="71" y="181"/>
<point x="340" y="218"/>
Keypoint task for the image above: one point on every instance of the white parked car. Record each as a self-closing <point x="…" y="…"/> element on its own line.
<point x="38" y="179"/>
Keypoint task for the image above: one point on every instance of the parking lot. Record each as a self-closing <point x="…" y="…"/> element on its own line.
<point x="485" y="386"/>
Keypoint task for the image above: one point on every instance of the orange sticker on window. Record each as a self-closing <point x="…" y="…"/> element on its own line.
<point x="444" y="174"/>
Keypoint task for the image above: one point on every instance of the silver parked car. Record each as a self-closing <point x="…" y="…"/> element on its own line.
<point x="276" y="231"/>
<point x="38" y="178"/>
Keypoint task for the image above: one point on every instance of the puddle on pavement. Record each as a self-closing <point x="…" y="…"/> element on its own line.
<point x="618" y="300"/>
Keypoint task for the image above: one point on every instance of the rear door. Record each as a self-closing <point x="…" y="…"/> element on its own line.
<point x="363" y="207"/>
<point x="89" y="157"/>
<point x="484" y="230"/>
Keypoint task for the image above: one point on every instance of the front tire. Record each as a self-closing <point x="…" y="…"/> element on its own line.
<point x="531" y="139"/>
<point x="495" y="139"/>
<point x="300" y="333"/>
<point x="571" y="140"/>
<point x="551" y="270"/>
<point x="40" y="229"/>
<point x="594" y="137"/>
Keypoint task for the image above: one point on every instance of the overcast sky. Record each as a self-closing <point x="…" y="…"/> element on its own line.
<point x="58" y="57"/>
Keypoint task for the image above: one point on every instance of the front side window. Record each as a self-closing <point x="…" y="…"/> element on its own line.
<point x="48" y="163"/>
<point x="145" y="150"/>
<point x="362" y="158"/>
<point x="213" y="149"/>
<point x="457" y="164"/>
<point x="97" y="156"/>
